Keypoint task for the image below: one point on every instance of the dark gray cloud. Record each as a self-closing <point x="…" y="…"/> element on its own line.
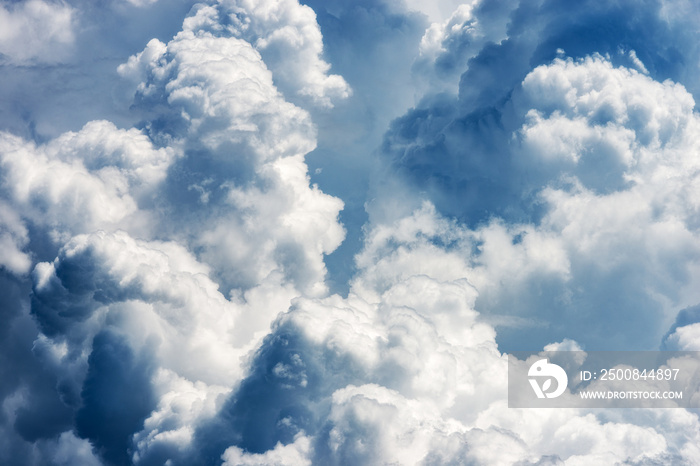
<point x="116" y="397"/>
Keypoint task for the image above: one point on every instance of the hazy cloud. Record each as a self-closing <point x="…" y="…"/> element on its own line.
<point x="36" y="31"/>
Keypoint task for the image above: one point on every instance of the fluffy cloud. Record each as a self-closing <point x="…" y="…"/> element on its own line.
<point x="589" y="179"/>
<point x="13" y="238"/>
<point x="685" y="338"/>
<point x="289" y="39"/>
<point x="166" y="292"/>
<point x="135" y="330"/>
<point x="449" y="44"/>
<point x="36" y="31"/>
<point x="227" y="114"/>
<point x="402" y="370"/>
<point x="284" y="32"/>
<point x="294" y="454"/>
<point x="93" y="179"/>
<point x="586" y="117"/>
<point x="152" y="302"/>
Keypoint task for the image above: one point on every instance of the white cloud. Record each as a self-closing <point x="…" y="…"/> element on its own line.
<point x="182" y="404"/>
<point x="293" y="454"/>
<point x="637" y="62"/>
<point x="458" y="36"/>
<point x="35" y="31"/>
<point x="186" y="241"/>
<point x="372" y="424"/>
<point x="609" y="153"/>
<point x="83" y="181"/>
<point x="13" y="239"/>
<point x="70" y="450"/>
<point x="101" y="270"/>
<point x="284" y="32"/>
<point x="269" y="224"/>
<point x="686" y="338"/>
<point x="160" y="298"/>
<point x="596" y="91"/>
<point x="289" y="39"/>
<point x="99" y="189"/>
<point x="575" y="437"/>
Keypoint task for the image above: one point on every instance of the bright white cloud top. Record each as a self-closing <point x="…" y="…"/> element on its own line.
<point x="270" y="232"/>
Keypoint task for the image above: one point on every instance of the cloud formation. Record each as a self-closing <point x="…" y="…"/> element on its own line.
<point x="163" y="265"/>
<point x="225" y="112"/>
<point x="36" y="31"/>
<point x="574" y="156"/>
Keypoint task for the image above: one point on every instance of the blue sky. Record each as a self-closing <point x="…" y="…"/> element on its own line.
<point x="273" y="232"/>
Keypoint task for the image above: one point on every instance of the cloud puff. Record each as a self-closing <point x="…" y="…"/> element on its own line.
<point x="643" y="148"/>
<point x="65" y="450"/>
<point x="289" y="39"/>
<point x="230" y="117"/>
<point x="685" y="338"/>
<point x="284" y="32"/>
<point x="449" y="44"/>
<point x="79" y="182"/>
<point x="13" y="238"/>
<point x="403" y="370"/>
<point x="135" y="330"/>
<point x="36" y="31"/>
<point x="536" y="161"/>
<point x="296" y="454"/>
<point x="153" y="302"/>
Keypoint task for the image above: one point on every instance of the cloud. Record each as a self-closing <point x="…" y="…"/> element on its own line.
<point x="180" y="341"/>
<point x="36" y="31"/>
<point x="685" y="338"/>
<point x="535" y="163"/>
<point x="295" y="454"/>
<point x="164" y="251"/>
<point x="223" y="107"/>
<point x="448" y="44"/>
<point x="290" y="43"/>
<point x="395" y="372"/>
<point x="135" y="330"/>
<point x="70" y="449"/>
<point x="13" y="238"/>
<point x="83" y="181"/>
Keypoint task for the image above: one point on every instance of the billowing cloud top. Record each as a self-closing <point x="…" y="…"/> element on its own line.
<point x="264" y="232"/>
